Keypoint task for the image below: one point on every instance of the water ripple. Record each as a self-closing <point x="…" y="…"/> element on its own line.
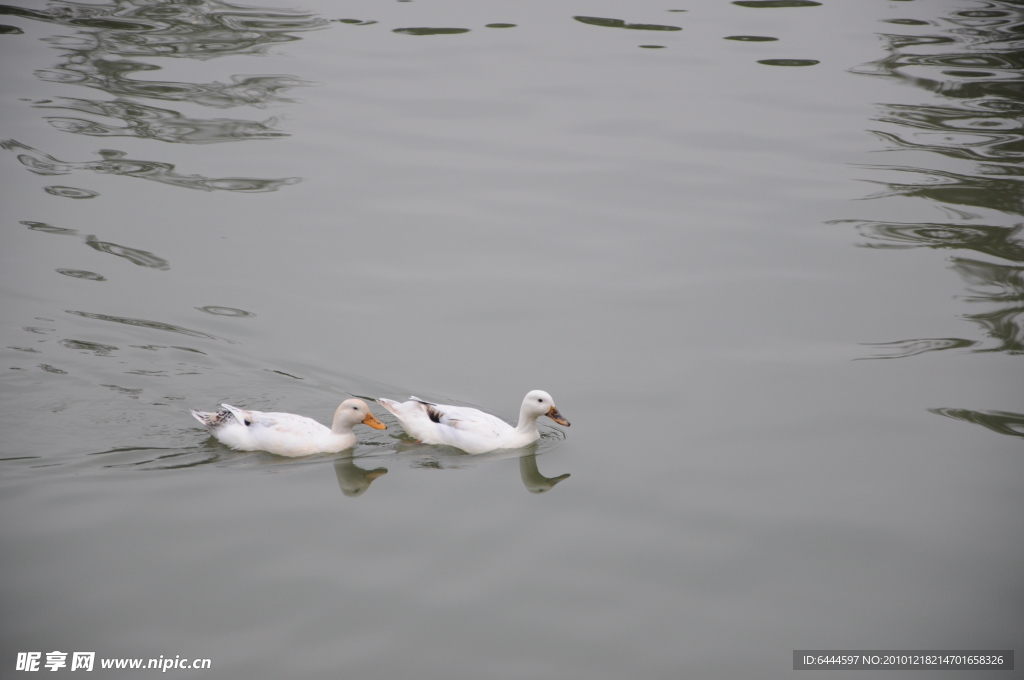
<point x="963" y="135"/>
<point x="111" y="77"/>
<point x="114" y="163"/>
<point x="225" y="311"/>
<point x="1002" y="242"/>
<point x="144" y="323"/>
<point x="909" y="348"/>
<point x="958" y="188"/>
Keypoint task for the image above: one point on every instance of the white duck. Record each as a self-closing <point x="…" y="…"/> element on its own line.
<point x="470" y="429"/>
<point x="287" y="434"/>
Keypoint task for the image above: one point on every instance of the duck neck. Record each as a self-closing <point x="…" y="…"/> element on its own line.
<point x="527" y="423"/>
<point x="339" y="425"/>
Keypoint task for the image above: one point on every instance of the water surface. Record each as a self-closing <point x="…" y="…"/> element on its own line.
<point x="770" y="271"/>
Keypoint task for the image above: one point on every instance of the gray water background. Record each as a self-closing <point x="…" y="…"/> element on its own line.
<point x="775" y="285"/>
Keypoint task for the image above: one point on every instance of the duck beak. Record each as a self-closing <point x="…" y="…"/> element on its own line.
<point x="557" y="417"/>
<point x="372" y="421"/>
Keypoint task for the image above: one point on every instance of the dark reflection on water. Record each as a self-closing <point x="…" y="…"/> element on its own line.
<point x="105" y="51"/>
<point x="82" y="274"/>
<point x="112" y="77"/>
<point x="114" y="163"/>
<point x="1011" y="424"/>
<point x="974" y="135"/>
<point x="619" y="23"/>
<point x="140" y="257"/>
<point x="966" y="146"/>
<point x="788" y="62"/>
<point x="48" y="228"/>
<point x="150" y="122"/>
<point x="1002" y="288"/>
<point x="96" y="348"/>
<point x="70" y="192"/>
<point x="906" y="22"/>
<point x="193" y="28"/>
<point x="776" y="3"/>
<point x="1002" y="242"/>
<point x="909" y="348"/>
<point x="430" y="31"/>
<point x="99" y="55"/>
<point x="962" y="189"/>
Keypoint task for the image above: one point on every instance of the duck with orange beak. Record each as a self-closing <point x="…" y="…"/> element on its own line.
<point x="287" y="434"/>
<point x="470" y="429"/>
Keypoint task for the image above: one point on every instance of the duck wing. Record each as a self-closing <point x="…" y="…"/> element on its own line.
<point x="465" y="418"/>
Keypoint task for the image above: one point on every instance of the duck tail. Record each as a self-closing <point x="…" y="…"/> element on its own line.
<point x="208" y="419"/>
<point x="215" y="419"/>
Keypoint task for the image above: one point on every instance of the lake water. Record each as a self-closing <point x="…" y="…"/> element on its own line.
<point x="766" y="256"/>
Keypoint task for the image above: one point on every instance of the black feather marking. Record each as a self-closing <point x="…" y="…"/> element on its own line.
<point x="215" y="419"/>
<point x="223" y="417"/>
<point x="434" y="414"/>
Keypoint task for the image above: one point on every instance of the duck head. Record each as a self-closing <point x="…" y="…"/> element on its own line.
<point x="539" y="403"/>
<point x="353" y="412"/>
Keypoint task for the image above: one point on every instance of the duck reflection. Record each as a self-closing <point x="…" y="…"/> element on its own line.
<point x="431" y="457"/>
<point x="533" y="480"/>
<point x="352" y="479"/>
